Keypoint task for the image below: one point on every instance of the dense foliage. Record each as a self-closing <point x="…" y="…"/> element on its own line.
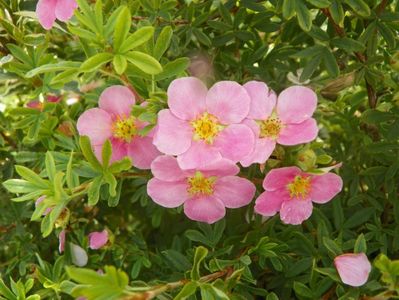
<point x="345" y="50"/>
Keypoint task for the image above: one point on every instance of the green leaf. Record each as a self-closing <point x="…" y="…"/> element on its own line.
<point x="173" y="68"/>
<point x="330" y="272"/>
<point x="303" y="15"/>
<point x="337" y="12"/>
<point x="388" y="34"/>
<point x="332" y="246"/>
<point x="93" y="192"/>
<point x="348" y="44"/>
<point x="5" y="291"/>
<point x="360" y="7"/>
<point x="144" y="62"/>
<point x="310" y="67"/>
<point x="188" y="290"/>
<point x="95" y="62"/>
<point x="120" y="165"/>
<point x="302" y="290"/>
<point x="320" y="3"/>
<point x="163" y="42"/>
<point x="114" y="200"/>
<point x="122" y="27"/>
<point x="18" y="186"/>
<point x="106" y="153"/>
<point x="139" y="37"/>
<point x="61" y="66"/>
<point x="32" y="177"/>
<point x="289" y="8"/>
<point x="200" y="254"/>
<point x="330" y="63"/>
<point x="120" y="63"/>
<point x="50" y="166"/>
<point x="360" y="244"/>
<point x="87" y="151"/>
<point x="111" y="180"/>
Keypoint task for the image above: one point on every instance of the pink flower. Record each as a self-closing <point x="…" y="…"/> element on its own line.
<point x="36" y="104"/>
<point x="203" y="126"/>
<point x="285" y="120"/>
<point x="98" y="239"/>
<point x="49" y="10"/>
<point x="354" y="269"/>
<point x="113" y="121"/>
<point x="205" y="192"/>
<point x="61" y="240"/>
<point x="291" y="192"/>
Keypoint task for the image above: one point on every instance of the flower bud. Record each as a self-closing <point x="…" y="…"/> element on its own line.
<point x="306" y="159"/>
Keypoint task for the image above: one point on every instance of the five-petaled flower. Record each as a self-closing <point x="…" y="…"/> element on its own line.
<point x="113" y="121"/>
<point x="291" y="192"/>
<point x="354" y="269"/>
<point x="286" y="119"/>
<point x="49" y="10"/>
<point x="205" y="192"/>
<point x="203" y="126"/>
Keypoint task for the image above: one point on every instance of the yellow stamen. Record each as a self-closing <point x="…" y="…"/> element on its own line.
<point x="125" y="128"/>
<point x="270" y="127"/>
<point x="206" y="128"/>
<point x="300" y="187"/>
<point x="200" y="185"/>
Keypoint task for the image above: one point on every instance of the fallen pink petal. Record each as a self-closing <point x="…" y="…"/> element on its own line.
<point x="353" y="269"/>
<point x="98" y="239"/>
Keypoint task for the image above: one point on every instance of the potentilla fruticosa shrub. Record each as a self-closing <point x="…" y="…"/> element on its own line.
<point x="199" y="149"/>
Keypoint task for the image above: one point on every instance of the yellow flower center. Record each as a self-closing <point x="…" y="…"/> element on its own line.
<point x="206" y="127"/>
<point x="200" y="185"/>
<point x="125" y="128"/>
<point x="270" y="127"/>
<point x="300" y="187"/>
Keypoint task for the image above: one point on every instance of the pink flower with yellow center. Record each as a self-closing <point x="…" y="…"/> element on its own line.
<point x="291" y="192"/>
<point x="113" y="121"/>
<point x="49" y="10"/>
<point x="204" y="192"/>
<point x="285" y="120"/>
<point x="353" y="269"/>
<point x="203" y="126"/>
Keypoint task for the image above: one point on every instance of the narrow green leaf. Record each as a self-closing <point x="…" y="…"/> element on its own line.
<point x="50" y="166"/>
<point x="19" y="186"/>
<point x="61" y="66"/>
<point x="310" y="67"/>
<point x="5" y="291"/>
<point x="120" y="63"/>
<point x="332" y="246"/>
<point x="337" y="12"/>
<point x="163" y="42"/>
<point x="93" y="193"/>
<point x="320" y="3"/>
<point x="111" y="180"/>
<point x="173" y="68"/>
<point x="87" y="151"/>
<point x="302" y="290"/>
<point x="106" y="153"/>
<point x="388" y="34"/>
<point x="122" y="27"/>
<point x="144" y="62"/>
<point x="95" y="62"/>
<point x="139" y="37"/>
<point x="303" y="15"/>
<point x="330" y="63"/>
<point x="360" y="7"/>
<point x="120" y="165"/>
<point x="32" y="177"/>
<point x="360" y="244"/>
<point x="187" y="290"/>
<point x="348" y="44"/>
<point x="200" y="254"/>
<point x="288" y="8"/>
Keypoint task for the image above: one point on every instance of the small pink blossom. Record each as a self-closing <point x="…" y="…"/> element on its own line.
<point x="113" y="121"/>
<point x="204" y="192"/>
<point x="53" y="98"/>
<point x="98" y="239"/>
<point x="203" y="126"/>
<point x="354" y="269"/>
<point x="49" y="10"/>
<point x="36" y="104"/>
<point x="291" y="192"/>
<point x="40" y="200"/>
<point x="61" y="240"/>
<point x="286" y="119"/>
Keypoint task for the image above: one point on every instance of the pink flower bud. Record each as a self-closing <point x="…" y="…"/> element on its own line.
<point x="98" y="239"/>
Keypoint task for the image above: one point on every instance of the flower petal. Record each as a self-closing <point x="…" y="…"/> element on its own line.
<point x="294" y="134"/>
<point x="221" y="167"/>
<point x="167" y="194"/>
<point x="173" y="136"/>
<point x="235" y="142"/>
<point x="96" y="124"/>
<point x="279" y="178"/>
<point x="325" y="187"/>
<point x="142" y="152"/>
<point x="208" y="209"/>
<point x="64" y="9"/>
<point x="186" y="97"/>
<point x="234" y="191"/>
<point x="296" y="104"/>
<point x="61" y="241"/>
<point x="228" y="101"/>
<point x="263" y="100"/>
<point x="269" y="202"/>
<point x="98" y="239"/>
<point x="295" y="211"/>
<point x="79" y="255"/>
<point x="198" y="156"/>
<point x="354" y="269"/>
<point x="45" y="10"/>
<point x="262" y="151"/>
<point x="165" y="168"/>
<point x="117" y="100"/>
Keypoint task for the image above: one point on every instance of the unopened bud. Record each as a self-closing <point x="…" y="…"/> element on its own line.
<point x="306" y="159"/>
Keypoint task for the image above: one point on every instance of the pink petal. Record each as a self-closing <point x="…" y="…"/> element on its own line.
<point x="234" y="191"/>
<point x="262" y="151"/>
<point x="279" y="178"/>
<point x="78" y="255"/>
<point x="142" y="152"/>
<point x="96" y="124"/>
<point x="296" y="104"/>
<point x="98" y="239"/>
<point x="221" y="167"/>
<point x="354" y="269"/>
<point x="235" y="142"/>
<point x="295" y="211"/>
<point x="167" y="194"/>
<point x="325" y="187"/>
<point x="208" y="209"/>
<point x="186" y="97"/>
<point x="61" y="240"/>
<point x="173" y="136"/>
<point x="117" y="100"/>
<point x="64" y="9"/>
<point x="263" y="100"/>
<point x="294" y="134"/>
<point x="45" y="10"/>
<point x="36" y="104"/>
<point x="165" y="168"/>
<point x="269" y="202"/>
<point x="228" y="101"/>
<point x="198" y="156"/>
